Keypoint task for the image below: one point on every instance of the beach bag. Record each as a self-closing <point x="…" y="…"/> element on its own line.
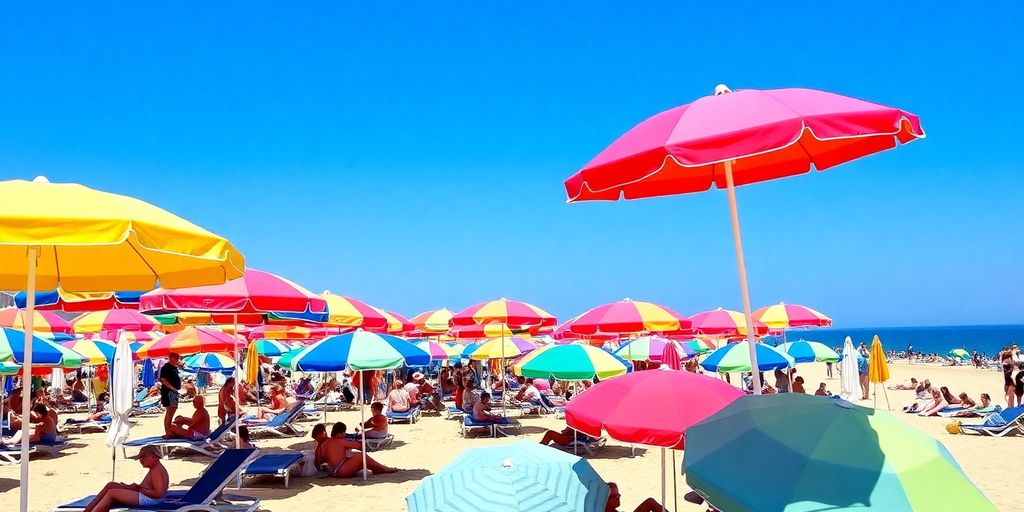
<point x="954" y="427"/>
<point x="994" y="420"/>
<point x="307" y="468"/>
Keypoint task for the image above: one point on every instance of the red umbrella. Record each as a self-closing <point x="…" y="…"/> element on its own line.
<point x="514" y="314"/>
<point x="628" y="317"/>
<point x="735" y="138"/>
<point x="255" y="292"/>
<point x="725" y="323"/>
<point x="652" y="408"/>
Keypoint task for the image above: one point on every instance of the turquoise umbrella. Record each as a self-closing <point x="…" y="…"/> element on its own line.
<point x="821" y="454"/>
<point x="804" y="351"/>
<point x="271" y="348"/>
<point x="735" y="357"/>
<point x="571" y="362"/>
<point x="523" y="476"/>
<point x="358" y="350"/>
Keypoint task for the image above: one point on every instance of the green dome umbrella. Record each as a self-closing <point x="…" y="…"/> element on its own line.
<point x="961" y="353"/>
<point x="822" y="454"/>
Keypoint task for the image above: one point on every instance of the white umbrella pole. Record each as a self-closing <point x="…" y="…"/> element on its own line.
<point x="362" y="427"/>
<point x="26" y="391"/>
<point x="742" y="268"/>
<point x="675" y="491"/>
<point x="663" y="478"/>
<point x="502" y="369"/>
<point x="238" y="381"/>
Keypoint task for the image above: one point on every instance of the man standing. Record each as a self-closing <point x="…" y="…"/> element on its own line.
<point x="170" y="383"/>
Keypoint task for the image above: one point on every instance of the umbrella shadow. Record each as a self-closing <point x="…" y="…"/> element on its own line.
<point x="610" y="451"/>
<point x="7" y="484"/>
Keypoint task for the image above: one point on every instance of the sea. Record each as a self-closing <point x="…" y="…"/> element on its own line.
<point x="986" y="339"/>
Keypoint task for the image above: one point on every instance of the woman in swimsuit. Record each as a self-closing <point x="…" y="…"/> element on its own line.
<point x="1006" y="360"/>
<point x="45" y="431"/>
<point x="343" y="458"/>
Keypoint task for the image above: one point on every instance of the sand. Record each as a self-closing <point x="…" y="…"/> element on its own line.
<point x="421" y="449"/>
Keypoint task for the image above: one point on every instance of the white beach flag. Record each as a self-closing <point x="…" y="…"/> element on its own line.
<point x="122" y="392"/>
<point x="850" y="389"/>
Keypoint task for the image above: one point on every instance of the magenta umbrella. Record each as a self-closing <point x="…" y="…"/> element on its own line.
<point x="736" y="138"/>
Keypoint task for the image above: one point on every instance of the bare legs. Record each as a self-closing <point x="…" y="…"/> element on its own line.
<point x="113" y="492"/>
<point x="351" y="467"/>
<point x="169" y="420"/>
<point x="558" y="437"/>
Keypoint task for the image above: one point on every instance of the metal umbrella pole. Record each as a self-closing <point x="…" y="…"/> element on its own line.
<point x="742" y="268"/>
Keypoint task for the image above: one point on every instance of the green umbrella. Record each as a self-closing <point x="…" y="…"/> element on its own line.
<point x="961" y="353"/>
<point x="571" y="362"/>
<point x="821" y="454"/>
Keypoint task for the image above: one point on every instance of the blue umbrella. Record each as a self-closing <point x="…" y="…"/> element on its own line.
<point x="148" y="373"/>
<point x="735" y="357"/>
<point x="358" y="350"/>
<point x="523" y="476"/>
<point x="804" y="351"/>
<point x="468" y="350"/>
<point x="12" y="348"/>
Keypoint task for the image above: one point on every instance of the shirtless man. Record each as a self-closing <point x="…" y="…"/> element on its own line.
<point x="45" y="428"/>
<point x="196" y="427"/>
<point x="614" y="502"/>
<point x="278" y="404"/>
<point x="482" y="409"/>
<point x="146" y="494"/>
<point x="343" y="458"/>
<point x="226" y="400"/>
<point x="377" y="426"/>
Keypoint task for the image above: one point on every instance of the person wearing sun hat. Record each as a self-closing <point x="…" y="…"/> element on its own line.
<point x="147" y="493"/>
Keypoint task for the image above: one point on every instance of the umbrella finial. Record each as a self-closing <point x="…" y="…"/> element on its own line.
<point x="721" y="89"/>
<point x="506" y="463"/>
<point x="41" y="179"/>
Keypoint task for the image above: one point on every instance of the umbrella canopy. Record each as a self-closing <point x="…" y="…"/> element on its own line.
<point x="726" y="323"/>
<point x="571" y="362"/>
<point x="172" y="322"/>
<point x="148" y="373"/>
<point x="651" y="348"/>
<point x="670" y="357"/>
<point x="878" y="368"/>
<point x="849" y="377"/>
<point x="957" y="352"/>
<point x="735" y="357"/>
<point x="468" y="349"/>
<point x="252" y="365"/>
<point x="826" y="455"/>
<point x="803" y="351"/>
<point x="122" y="393"/>
<point x="650" y="408"/>
<point x="788" y="316"/>
<point x="438" y="351"/>
<point x="208" y="362"/>
<point x="256" y="292"/>
<point x="72" y="302"/>
<point x="191" y="340"/>
<point x="432" y="322"/>
<point x="502" y="348"/>
<point x="42" y="321"/>
<point x="270" y="348"/>
<point x="699" y="345"/>
<point x="629" y="316"/>
<point x="359" y="350"/>
<point x="396" y="324"/>
<point x="132" y="336"/>
<point x="565" y="334"/>
<point x="514" y="314"/>
<point x="114" y="320"/>
<point x="94" y="351"/>
<point x="352" y="313"/>
<point x="522" y="476"/>
<point x="44" y="351"/>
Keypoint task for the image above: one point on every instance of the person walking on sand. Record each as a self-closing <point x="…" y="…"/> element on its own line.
<point x="170" y="384"/>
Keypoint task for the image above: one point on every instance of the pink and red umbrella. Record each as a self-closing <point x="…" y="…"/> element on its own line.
<point x="629" y="317"/>
<point x="255" y="292"/>
<point x="725" y="323"/>
<point x="652" y="408"/>
<point x="191" y="340"/>
<point x="42" y="321"/>
<point x="788" y="316"/>
<point x="514" y="314"/>
<point x="114" y="320"/>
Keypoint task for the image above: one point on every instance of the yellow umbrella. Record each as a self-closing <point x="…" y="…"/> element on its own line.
<point x="82" y="240"/>
<point x="252" y="364"/>
<point x="878" y="368"/>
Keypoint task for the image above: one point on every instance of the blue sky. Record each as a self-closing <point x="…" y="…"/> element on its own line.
<point x="413" y="155"/>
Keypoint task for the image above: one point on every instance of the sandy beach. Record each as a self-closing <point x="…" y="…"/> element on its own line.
<point x="426" y="446"/>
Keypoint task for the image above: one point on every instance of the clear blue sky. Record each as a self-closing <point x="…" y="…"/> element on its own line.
<point x="413" y="155"/>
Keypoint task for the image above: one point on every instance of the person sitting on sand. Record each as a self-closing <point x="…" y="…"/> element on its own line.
<point x="822" y="391"/>
<point x="377" y="426"/>
<point x="244" y="440"/>
<point x="147" y="493"/>
<point x="398" y="398"/>
<point x="908" y="387"/>
<point x="798" y="385"/>
<point x="565" y="437"/>
<point x="482" y="409"/>
<point x="615" y="501"/>
<point x="343" y="458"/>
<point x="319" y="435"/>
<point x="937" y="404"/>
<point x="45" y="430"/>
<point x="195" y="427"/>
<point x="278" y="404"/>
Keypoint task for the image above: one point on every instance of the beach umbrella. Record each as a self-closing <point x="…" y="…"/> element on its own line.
<point x="670" y="359"/>
<point x="94" y="351"/>
<point x="725" y="323"/>
<point x="849" y="378"/>
<point x="468" y="349"/>
<point x="825" y="455"/>
<point x="122" y="391"/>
<point x="803" y="351"/>
<point x="114" y="320"/>
<point x="523" y="476"/>
<point x="514" y="314"/>
<point x="252" y="366"/>
<point x="270" y="348"/>
<point x="395" y="324"/>
<point x="651" y="348"/>
<point x="43" y="322"/>
<point x="191" y="340"/>
<point x="958" y="352"/>
<point x="628" y="317"/>
<point x="564" y="334"/>
<point x="502" y="348"/>
<point x="788" y="316"/>
<point x="208" y="362"/>
<point x="735" y="357"/>
<point x="432" y="322"/>
<point x="878" y="369"/>
<point x="438" y="351"/>
<point x="735" y="138"/>
<point x="474" y="332"/>
<point x="14" y="349"/>
<point x="72" y="302"/>
<point x="172" y="322"/>
<point x="148" y="373"/>
<point x="132" y="336"/>
<point x="256" y="292"/>
<point x="352" y="313"/>
<point x="699" y="345"/>
<point x="571" y="362"/>
<point x="280" y="332"/>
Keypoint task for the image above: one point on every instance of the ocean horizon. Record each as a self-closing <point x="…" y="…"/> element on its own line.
<point x="938" y="339"/>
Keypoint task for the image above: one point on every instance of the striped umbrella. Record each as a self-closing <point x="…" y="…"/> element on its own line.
<point x="352" y="313"/>
<point x="209" y="362"/>
<point x="522" y="476"/>
<point x="787" y="316"/>
<point x="42" y="321"/>
<point x="650" y="348"/>
<point x="502" y="348"/>
<point x="114" y="320"/>
<point x="271" y="348"/>
<point x="68" y="359"/>
<point x="699" y="345"/>
<point x="397" y="324"/>
<point x="627" y="317"/>
<point x="358" y="350"/>
<point x="44" y="351"/>
<point x="72" y="302"/>
<point x="256" y="292"/>
<point x="726" y="323"/>
<point x="473" y="332"/>
<point x="735" y="357"/>
<point x="132" y="336"/>
<point x="191" y="340"/>
<point x="437" y="351"/>
<point x="465" y="351"/>
<point x="571" y="362"/>
<point x="516" y="315"/>
<point x="94" y="351"/>
<point x="804" y="351"/>
<point x="432" y="322"/>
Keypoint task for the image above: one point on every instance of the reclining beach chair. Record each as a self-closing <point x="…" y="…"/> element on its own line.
<point x="410" y="416"/>
<point x="204" y="495"/>
<point x="74" y="407"/>
<point x="586" y="444"/>
<point x="454" y="413"/>
<point x="10" y="454"/>
<point x="206" y="446"/>
<point x="1014" y="418"/>
<point x="149" y="405"/>
<point x="83" y="425"/>
<point x="280" y="425"/>
<point x="276" y="464"/>
<point x="373" y="443"/>
<point x="494" y="427"/>
<point x="549" y="405"/>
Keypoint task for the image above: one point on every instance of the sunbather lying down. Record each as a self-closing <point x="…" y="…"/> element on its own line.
<point x="564" y="438"/>
<point x="910" y="387"/>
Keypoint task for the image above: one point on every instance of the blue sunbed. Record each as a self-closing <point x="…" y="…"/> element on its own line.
<point x="281" y="424"/>
<point x="204" y="446"/>
<point x="409" y="416"/>
<point x="1013" y="418"/>
<point x="273" y="464"/>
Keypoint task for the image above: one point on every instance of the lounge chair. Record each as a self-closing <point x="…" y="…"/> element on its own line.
<point x="454" y="413"/>
<point x="204" y="495"/>
<point x="11" y="454"/>
<point x="410" y="416"/>
<point x="1014" y="418"/>
<point x="280" y="425"/>
<point x="276" y="464"/>
<point x="373" y="443"/>
<point x="82" y="425"/>
<point x="74" y="407"/>
<point x="551" y="406"/>
<point x="586" y="443"/>
<point x="494" y="427"/>
<point x="150" y="405"/>
<point x="206" y="446"/>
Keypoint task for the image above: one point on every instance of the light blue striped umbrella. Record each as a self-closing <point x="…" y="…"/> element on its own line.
<point x="735" y="357"/>
<point x="523" y="476"/>
<point x="209" y="362"/>
<point x="804" y="351"/>
<point x="358" y="350"/>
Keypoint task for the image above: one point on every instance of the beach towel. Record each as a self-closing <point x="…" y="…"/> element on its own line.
<point x="994" y="420"/>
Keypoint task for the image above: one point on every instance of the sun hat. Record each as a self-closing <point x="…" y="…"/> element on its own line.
<point x="417" y="376"/>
